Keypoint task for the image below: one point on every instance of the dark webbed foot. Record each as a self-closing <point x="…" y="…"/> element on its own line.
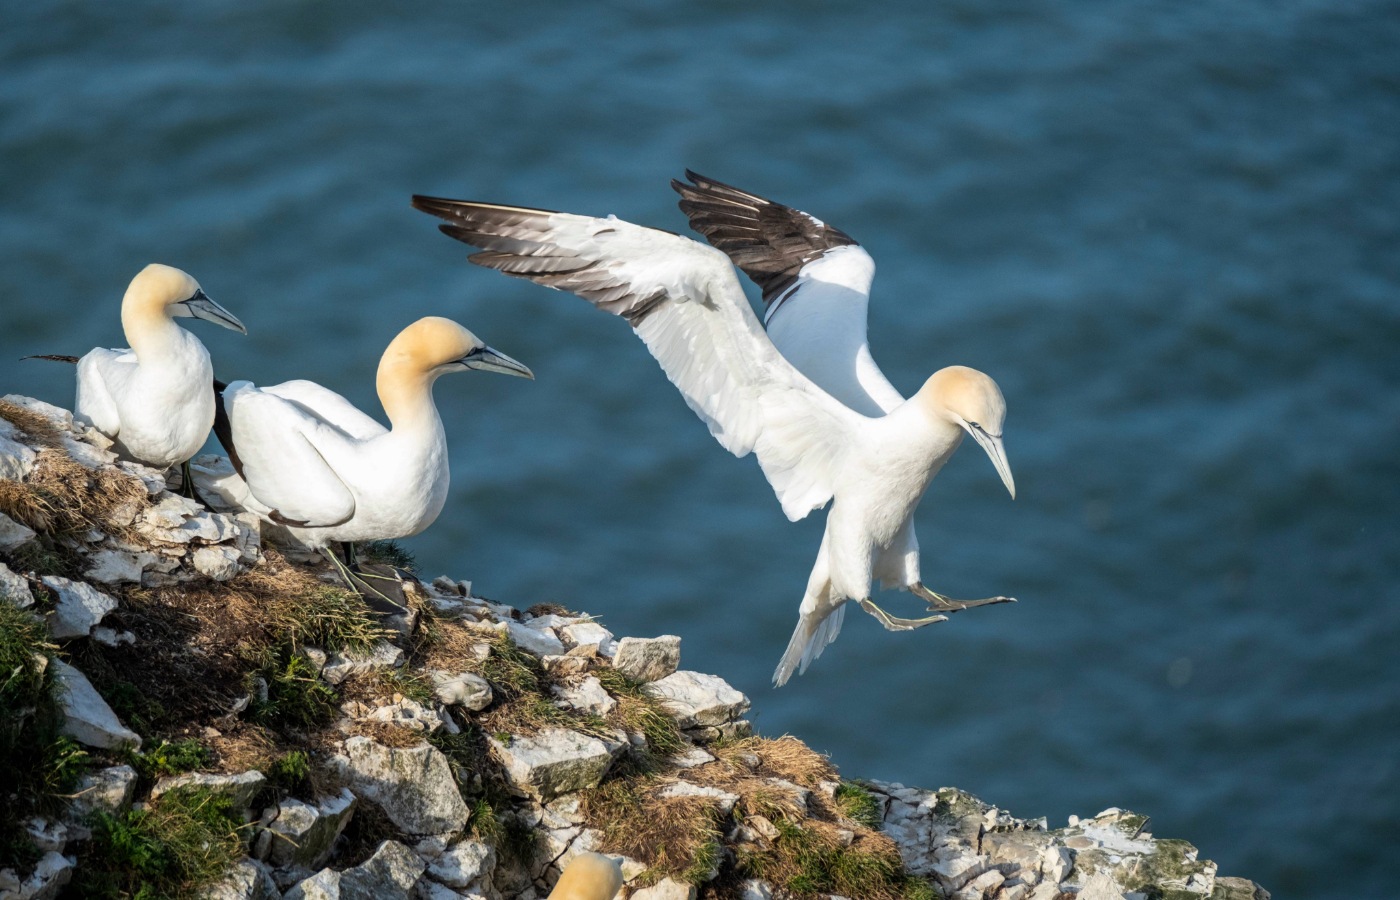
<point x="940" y="603"/>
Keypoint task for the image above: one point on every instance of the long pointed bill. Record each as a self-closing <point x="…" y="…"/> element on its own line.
<point x="201" y="307"/>
<point x="998" y="454"/>
<point x="488" y="360"/>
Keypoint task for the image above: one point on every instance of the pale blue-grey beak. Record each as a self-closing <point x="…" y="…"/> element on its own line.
<point x="200" y="306"/>
<point x="997" y="452"/>
<point x="487" y="359"/>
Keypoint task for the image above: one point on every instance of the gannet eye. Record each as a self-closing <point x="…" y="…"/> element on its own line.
<point x="975" y="425"/>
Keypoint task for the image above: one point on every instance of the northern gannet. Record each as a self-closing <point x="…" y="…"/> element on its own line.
<point x="588" y="876"/>
<point x="313" y="463"/>
<point x="816" y="292"/>
<point x="155" y="400"/>
<point x="684" y="301"/>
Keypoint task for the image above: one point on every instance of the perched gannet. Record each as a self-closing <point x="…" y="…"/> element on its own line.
<point x="684" y="301"/>
<point x="154" y="400"/>
<point x="588" y="876"/>
<point x="312" y="462"/>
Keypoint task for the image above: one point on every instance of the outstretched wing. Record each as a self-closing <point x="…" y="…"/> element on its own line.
<point x="815" y="280"/>
<point x="279" y="447"/>
<point x="685" y="303"/>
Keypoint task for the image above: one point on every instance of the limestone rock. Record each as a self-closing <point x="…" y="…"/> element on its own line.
<point x="465" y="865"/>
<point x="582" y="634"/>
<point x="754" y="889"/>
<point x="722" y="799"/>
<point x="111" y="566"/>
<point x="697" y="699"/>
<point x="109" y="637"/>
<point x="691" y="758"/>
<point x="464" y="689"/>
<point x="109" y="790"/>
<point x="79" y="607"/>
<point x="240" y="788"/>
<point x="666" y="889"/>
<point x="537" y="640"/>
<point x="304" y="834"/>
<point x="13" y="534"/>
<point x="15" y="587"/>
<point x="341" y="666"/>
<point x="412" y="785"/>
<point x="16" y="460"/>
<point x="47" y="835"/>
<point x="410" y="714"/>
<point x="555" y="761"/>
<point x="59" y="418"/>
<point x="247" y="880"/>
<point x="87" y="717"/>
<point x="49" y="877"/>
<point x="588" y="696"/>
<point x="219" y="563"/>
<point x="389" y="874"/>
<point x="648" y="659"/>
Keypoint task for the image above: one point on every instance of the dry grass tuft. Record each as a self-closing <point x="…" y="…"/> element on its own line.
<point x="676" y="837"/>
<point x="552" y="609"/>
<point x="62" y="497"/>
<point x="35" y="427"/>
<point x="785" y="757"/>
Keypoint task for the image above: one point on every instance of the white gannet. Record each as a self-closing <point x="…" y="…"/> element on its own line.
<point x="155" y="400"/>
<point x="588" y="876"/>
<point x="313" y="463"/>
<point x="684" y="301"/>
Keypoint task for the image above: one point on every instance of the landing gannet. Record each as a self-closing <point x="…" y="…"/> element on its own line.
<point x="312" y="462"/>
<point x="684" y="301"/>
<point x="154" y="400"/>
<point x="816" y="290"/>
<point x="588" y="876"/>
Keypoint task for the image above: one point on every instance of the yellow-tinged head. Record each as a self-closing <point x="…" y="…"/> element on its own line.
<point x="430" y="347"/>
<point x="971" y="400"/>
<point x="589" y="876"/>
<point x="160" y="291"/>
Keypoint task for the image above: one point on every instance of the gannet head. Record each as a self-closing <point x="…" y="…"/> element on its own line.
<point x="166" y="291"/>
<point x="434" y="346"/>
<point x="971" y="400"/>
<point x="589" y="876"/>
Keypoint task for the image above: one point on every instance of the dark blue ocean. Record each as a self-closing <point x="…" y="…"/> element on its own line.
<point x="1171" y="232"/>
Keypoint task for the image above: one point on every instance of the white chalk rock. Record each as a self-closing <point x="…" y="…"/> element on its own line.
<point x="15" y="587"/>
<point x="697" y="699"/>
<point x="16" y="459"/>
<point x="13" y="534"/>
<point x="582" y="634"/>
<point x="467" y="865"/>
<point x="754" y="889"/>
<point x="57" y="416"/>
<point x="540" y="640"/>
<point x="219" y="563"/>
<point x="666" y="889"/>
<point x="49" y="877"/>
<point x="462" y="689"/>
<point x="648" y="659"/>
<point x="87" y="717"/>
<point x="412" y="785"/>
<point x="588" y="696"/>
<point x="111" y="566"/>
<point x="722" y="799"/>
<point x="247" y="880"/>
<point x="304" y="834"/>
<point x="341" y="666"/>
<point x="410" y="714"/>
<point x="555" y="761"/>
<point x="240" y="788"/>
<point x="109" y="790"/>
<point x="80" y="606"/>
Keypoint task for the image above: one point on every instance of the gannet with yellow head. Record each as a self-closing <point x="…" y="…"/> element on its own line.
<point x="685" y="303"/>
<point x="312" y="462"/>
<point x="588" y="876"/>
<point x="154" y="399"/>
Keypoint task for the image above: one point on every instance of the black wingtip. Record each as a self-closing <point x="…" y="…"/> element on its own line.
<point x="52" y="357"/>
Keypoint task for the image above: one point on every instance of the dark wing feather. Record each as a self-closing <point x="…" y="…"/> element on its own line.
<point x="769" y="242"/>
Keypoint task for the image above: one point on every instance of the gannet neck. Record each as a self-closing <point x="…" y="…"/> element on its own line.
<point x="150" y="330"/>
<point x="406" y="393"/>
<point x="414" y="359"/>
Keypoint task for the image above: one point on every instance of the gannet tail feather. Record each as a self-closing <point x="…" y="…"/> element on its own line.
<point x="54" y="357"/>
<point x="813" y="632"/>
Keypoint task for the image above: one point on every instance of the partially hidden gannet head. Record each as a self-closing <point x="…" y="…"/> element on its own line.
<point x="971" y="400"/>
<point x="434" y="346"/>
<point x="159" y="290"/>
<point x="589" y="876"/>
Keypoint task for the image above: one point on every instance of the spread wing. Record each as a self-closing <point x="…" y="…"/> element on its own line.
<point x="815" y="281"/>
<point x="685" y="303"/>
<point x="279" y="445"/>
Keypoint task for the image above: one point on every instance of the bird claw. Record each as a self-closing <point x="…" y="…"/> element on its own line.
<point x="939" y="603"/>
<point x="894" y="623"/>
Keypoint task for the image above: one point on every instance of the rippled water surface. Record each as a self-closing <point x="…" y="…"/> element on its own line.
<point x="1170" y="231"/>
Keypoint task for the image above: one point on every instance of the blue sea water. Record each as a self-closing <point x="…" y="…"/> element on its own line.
<point x="1170" y="231"/>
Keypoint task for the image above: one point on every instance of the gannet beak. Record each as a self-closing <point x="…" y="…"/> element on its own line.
<point x="488" y="360"/>
<point x="998" y="454"/>
<point x="201" y="307"/>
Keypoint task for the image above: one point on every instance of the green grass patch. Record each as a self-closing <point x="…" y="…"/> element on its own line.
<point x="388" y="553"/>
<point x="857" y="804"/>
<point x="172" y="848"/>
<point x="165" y="758"/>
<point x="286" y="691"/>
<point x="414" y="685"/>
<point x="289" y="773"/>
<point x="809" y="861"/>
<point x="640" y="713"/>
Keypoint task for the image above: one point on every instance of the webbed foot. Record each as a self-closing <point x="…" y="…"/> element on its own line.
<point x="894" y="623"/>
<point x="937" y="601"/>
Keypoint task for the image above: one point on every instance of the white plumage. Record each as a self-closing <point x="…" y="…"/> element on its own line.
<point x="156" y="399"/>
<point x="310" y="461"/>
<point x="684" y="301"/>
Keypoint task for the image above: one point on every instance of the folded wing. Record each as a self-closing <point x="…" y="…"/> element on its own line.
<point x="685" y="303"/>
<point x="281" y="447"/>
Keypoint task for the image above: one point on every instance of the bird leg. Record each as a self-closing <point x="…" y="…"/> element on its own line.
<point x="187" y="488"/>
<point x="937" y="601"/>
<point x="894" y="623"/>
